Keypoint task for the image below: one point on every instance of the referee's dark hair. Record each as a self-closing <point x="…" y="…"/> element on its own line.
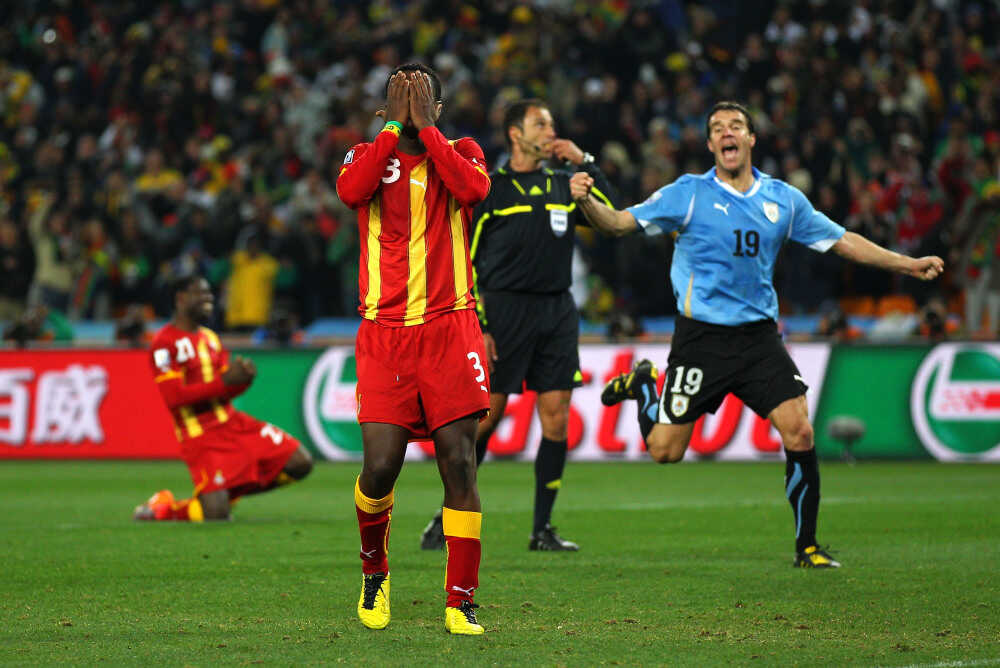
<point x="513" y="115"/>
<point x="418" y="67"/>
<point x="728" y="105"/>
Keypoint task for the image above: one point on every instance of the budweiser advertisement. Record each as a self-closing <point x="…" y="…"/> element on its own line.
<point x="75" y="404"/>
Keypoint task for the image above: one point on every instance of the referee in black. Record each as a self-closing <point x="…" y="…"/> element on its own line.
<point x="522" y="254"/>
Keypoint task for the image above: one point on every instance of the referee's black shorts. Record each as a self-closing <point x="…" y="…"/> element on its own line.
<point x="537" y="337"/>
<point x="708" y="361"/>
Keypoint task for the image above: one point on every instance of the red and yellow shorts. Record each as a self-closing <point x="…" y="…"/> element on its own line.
<point x="422" y="377"/>
<point x="241" y="455"/>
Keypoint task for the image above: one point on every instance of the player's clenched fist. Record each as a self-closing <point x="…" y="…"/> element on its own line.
<point x="926" y="268"/>
<point x="241" y="371"/>
<point x="580" y="185"/>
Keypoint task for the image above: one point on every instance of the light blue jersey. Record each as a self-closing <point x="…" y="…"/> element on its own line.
<point x="728" y="241"/>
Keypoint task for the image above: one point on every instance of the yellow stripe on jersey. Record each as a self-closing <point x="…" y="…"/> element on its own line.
<point x="207" y="372"/>
<point x="220" y="413"/>
<point x="561" y="207"/>
<point x="416" y="282"/>
<point x="687" y="296"/>
<point x="169" y="375"/>
<point x="213" y="338"/>
<point x="458" y="254"/>
<point x="191" y="422"/>
<point x="374" y="259"/>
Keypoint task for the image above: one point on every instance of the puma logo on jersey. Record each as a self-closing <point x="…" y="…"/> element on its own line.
<point x="723" y="208"/>
<point x="422" y="184"/>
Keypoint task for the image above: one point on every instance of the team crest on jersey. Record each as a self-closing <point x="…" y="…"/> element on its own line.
<point x="679" y="404"/>
<point x="559" y="220"/>
<point x="771" y="211"/>
<point x="349" y="158"/>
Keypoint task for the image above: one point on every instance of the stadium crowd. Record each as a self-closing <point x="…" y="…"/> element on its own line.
<point x="142" y="140"/>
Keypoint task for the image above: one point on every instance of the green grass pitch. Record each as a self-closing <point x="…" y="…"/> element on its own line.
<point x="688" y="565"/>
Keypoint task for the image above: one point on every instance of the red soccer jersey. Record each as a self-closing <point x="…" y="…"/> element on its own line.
<point x="414" y="217"/>
<point x="188" y="368"/>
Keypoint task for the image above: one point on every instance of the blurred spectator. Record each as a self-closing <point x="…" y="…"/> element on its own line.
<point x="250" y="288"/>
<point x="175" y="125"/>
<point x="17" y="266"/>
<point x="38" y="323"/>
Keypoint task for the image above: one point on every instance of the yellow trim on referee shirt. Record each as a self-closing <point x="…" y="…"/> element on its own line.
<point x="458" y="253"/>
<point x="561" y="207"/>
<point x="374" y="259"/>
<point x="416" y="282"/>
<point x="601" y="196"/>
<point x="510" y="210"/>
<point x="461" y="523"/>
<point x="475" y="237"/>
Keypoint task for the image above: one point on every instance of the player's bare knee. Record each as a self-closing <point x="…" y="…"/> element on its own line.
<point x="663" y="449"/>
<point x="799" y="438"/>
<point x="215" y="505"/>
<point x="300" y="464"/>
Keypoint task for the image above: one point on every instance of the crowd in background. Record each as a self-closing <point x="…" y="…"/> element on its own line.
<point x="142" y="140"/>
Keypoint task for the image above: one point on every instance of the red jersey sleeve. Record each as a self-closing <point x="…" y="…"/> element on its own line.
<point x="169" y="376"/>
<point x="364" y="166"/>
<point x="462" y="166"/>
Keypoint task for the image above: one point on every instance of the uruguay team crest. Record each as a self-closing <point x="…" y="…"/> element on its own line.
<point x="771" y="211"/>
<point x="679" y="404"/>
<point x="559" y="220"/>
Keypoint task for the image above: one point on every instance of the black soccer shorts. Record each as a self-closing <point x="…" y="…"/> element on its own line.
<point x="707" y="362"/>
<point x="537" y="339"/>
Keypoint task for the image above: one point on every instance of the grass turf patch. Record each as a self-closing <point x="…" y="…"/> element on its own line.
<point x="679" y="565"/>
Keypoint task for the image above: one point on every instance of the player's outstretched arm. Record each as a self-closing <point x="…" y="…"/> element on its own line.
<point x="856" y="248"/>
<point x="601" y="216"/>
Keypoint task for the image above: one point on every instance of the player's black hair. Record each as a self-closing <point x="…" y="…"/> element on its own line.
<point x="732" y="106"/>
<point x="418" y="67"/>
<point x="182" y="283"/>
<point x="513" y="115"/>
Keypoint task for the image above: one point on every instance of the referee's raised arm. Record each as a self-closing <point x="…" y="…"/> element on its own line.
<point x="601" y="216"/>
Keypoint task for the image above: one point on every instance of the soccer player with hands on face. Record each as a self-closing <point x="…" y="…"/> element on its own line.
<point x="728" y="225"/>
<point x="421" y="363"/>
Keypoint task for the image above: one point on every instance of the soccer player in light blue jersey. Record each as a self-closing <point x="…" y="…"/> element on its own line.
<point x="728" y="225"/>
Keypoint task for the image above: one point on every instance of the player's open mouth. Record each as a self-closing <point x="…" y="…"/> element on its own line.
<point x="729" y="150"/>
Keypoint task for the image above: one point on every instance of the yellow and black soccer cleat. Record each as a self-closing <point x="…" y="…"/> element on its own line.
<point x="815" y="557"/>
<point x="373" y="606"/>
<point x="625" y="385"/>
<point x="462" y="620"/>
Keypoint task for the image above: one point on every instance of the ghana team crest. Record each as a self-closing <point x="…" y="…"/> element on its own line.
<point x="679" y="404"/>
<point x="771" y="211"/>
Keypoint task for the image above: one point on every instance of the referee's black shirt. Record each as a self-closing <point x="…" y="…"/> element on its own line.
<point x="524" y="229"/>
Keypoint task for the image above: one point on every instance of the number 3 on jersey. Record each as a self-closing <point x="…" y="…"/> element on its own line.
<point x="477" y="365"/>
<point x="392" y="171"/>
